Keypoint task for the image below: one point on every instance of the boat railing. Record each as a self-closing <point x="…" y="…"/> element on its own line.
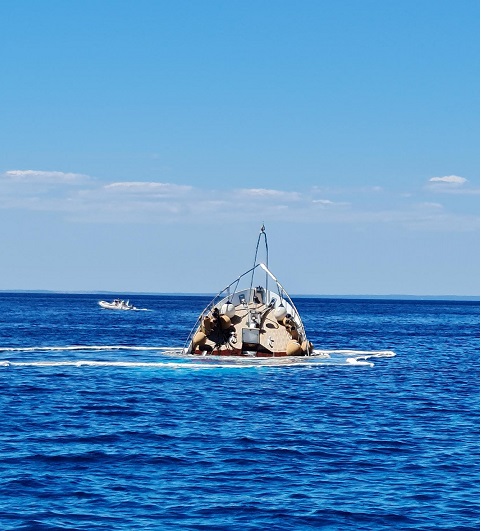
<point x="285" y="296"/>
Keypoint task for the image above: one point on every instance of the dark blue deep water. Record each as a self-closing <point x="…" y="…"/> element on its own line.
<point x="151" y="441"/>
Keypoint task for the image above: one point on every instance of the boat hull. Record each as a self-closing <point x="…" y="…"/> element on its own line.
<point x="111" y="306"/>
<point x="247" y="324"/>
<point x="250" y="322"/>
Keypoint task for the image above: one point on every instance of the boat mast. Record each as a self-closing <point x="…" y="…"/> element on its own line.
<point x="261" y="233"/>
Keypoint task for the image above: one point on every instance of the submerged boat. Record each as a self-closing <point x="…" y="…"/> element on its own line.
<point x="117" y="304"/>
<point x="250" y="321"/>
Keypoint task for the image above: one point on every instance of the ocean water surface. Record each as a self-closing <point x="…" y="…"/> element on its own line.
<point x="104" y="428"/>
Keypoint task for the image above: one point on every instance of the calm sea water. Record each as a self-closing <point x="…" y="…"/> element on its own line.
<point x="144" y="440"/>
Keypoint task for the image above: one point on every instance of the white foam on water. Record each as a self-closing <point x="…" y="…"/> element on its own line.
<point x="356" y="357"/>
<point x="319" y="357"/>
<point x="153" y="365"/>
<point x="80" y="347"/>
<point x="95" y="363"/>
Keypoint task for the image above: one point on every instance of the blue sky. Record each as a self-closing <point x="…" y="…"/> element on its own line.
<point x="142" y="144"/>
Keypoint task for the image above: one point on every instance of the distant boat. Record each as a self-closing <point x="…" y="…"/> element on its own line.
<point x="251" y="321"/>
<point x="117" y="304"/>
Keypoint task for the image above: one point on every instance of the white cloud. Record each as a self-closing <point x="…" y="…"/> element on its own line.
<point x="323" y="201"/>
<point x="430" y="205"/>
<point x="44" y="177"/>
<point x="451" y="184"/>
<point x="139" y="187"/>
<point x="268" y="193"/>
<point x="163" y="202"/>
<point x="450" y="179"/>
<point x="329" y="203"/>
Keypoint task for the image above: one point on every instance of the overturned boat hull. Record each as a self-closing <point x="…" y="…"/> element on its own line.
<point x="249" y="319"/>
<point x="252" y="322"/>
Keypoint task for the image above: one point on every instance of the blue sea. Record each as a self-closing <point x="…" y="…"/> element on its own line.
<point x="104" y="428"/>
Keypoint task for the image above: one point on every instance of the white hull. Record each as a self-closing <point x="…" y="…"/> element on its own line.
<point x="121" y="305"/>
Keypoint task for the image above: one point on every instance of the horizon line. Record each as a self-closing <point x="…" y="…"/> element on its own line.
<point x="392" y="296"/>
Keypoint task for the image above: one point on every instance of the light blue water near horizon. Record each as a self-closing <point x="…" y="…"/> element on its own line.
<point x="120" y="438"/>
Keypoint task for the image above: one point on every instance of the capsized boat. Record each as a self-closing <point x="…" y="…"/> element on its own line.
<point x="117" y="304"/>
<point x="250" y="321"/>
